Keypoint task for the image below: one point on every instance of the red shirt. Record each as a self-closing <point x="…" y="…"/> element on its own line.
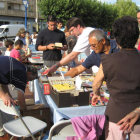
<point x="15" y="54"/>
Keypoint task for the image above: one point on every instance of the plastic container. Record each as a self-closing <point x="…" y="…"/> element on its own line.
<point x="31" y="86"/>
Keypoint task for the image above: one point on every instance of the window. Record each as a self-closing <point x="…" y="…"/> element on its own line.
<point x="6" y="22"/>
<point x="16" y="7"/>
<point x="34" y="27"/>
<point x="22" y="7"/>
<point x="31" y="8"/>
<point x="15" y="22"/>
<point x="1" y="5"/>
<point x="28" y="26"/>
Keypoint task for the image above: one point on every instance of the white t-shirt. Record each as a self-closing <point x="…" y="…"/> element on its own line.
<point x="7" y="53"/>
<point x="82" y="44"/>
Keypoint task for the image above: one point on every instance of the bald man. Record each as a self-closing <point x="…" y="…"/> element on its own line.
<point x="101" y="45"/>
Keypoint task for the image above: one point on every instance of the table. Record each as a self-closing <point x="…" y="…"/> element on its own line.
<point x="66" y="112"/>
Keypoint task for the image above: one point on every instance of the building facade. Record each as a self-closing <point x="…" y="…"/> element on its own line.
<point x="13" y="12"/>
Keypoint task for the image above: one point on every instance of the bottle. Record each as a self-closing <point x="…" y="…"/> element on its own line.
<point x="28" y="51"/>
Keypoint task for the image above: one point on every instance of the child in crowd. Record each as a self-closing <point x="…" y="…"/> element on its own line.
<point x="9" y="45"/>
<point x="16" y="54"/>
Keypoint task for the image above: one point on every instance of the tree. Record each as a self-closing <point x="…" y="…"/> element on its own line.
<point x="126" y="7"/>
<point x="92" y="12"/>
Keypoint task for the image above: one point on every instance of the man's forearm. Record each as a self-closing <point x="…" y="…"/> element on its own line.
<point x="75" y="71"/>
<point x="42" y="48"/>
<point x="21" y="100"/>
<point x="96" y="90"/>
<point x="5" y="89"/>
<point x="72" y="73"/>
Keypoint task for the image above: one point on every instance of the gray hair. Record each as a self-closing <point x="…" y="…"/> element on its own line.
<point x="33" y="71"/>
<point x="98" y="34"/>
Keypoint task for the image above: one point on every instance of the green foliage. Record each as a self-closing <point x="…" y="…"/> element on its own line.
<point x="92" y="12"/>
<point x="126" y="7"/>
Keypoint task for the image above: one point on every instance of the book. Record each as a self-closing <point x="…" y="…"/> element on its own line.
<point x="59" y="45"/>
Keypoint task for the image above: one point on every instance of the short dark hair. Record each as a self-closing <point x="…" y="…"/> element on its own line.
<point x="8" y="42"/>
<point x="51" y="18"/>
<point x="138" y="11"/>
<point x="59" y="20"/>
<point x="33" y="70"/>
<point x="126" y="31"/>
<point x="19" y="42"/>
<point x="73" y="22"/>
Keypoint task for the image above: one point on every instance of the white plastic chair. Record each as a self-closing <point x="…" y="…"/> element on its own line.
<point x="23" y="126"/>
<point x="62" y="128"/>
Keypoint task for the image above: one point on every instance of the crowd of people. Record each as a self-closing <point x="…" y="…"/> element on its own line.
<point x="117" y="59"/>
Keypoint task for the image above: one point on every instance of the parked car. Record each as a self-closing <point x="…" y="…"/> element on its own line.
<point x="9" y="31"/>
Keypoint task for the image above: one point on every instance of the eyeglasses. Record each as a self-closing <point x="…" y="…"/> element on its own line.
<point x="94" y="45"/>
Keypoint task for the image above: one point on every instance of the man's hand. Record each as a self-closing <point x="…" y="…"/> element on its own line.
<point x="128" y="121"/>
<point x="50" y="47"/>
<point x="96" y="98"/>
<point x="8" y="100"/>
<point x="52" y="69"/>
<point x="45" y="72"/>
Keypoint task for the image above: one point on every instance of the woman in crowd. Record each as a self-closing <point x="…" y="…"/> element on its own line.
<point x="21" y="35"/>
<point x="27" y="36"/>
<point x="122" y="73"/>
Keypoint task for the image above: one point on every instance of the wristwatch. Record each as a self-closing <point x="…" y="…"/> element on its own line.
<point x="56" y="65"/>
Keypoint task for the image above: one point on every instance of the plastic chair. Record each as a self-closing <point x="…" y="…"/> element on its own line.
<point x="62" y="128"/>
<point x="23" y="126"/>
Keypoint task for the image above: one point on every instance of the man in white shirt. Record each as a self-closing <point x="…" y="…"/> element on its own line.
<point x="9" y="44"/>
<point x="76" y="27"/>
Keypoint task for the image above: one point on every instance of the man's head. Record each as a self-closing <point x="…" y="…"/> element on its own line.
<point x="126" y="31"/>
<point x="97" y="40"/>
<point x="9" y="44"/>
<point x="51" y="21"/>
<point x="74" y="26"/>
<point x="59" y="23"/>
<point x="19" y="44"/>
<point x="31" y="73"/>
<point x="138" y="16"/>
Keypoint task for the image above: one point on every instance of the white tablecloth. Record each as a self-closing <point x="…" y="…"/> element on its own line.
<point x="67" y="112"/>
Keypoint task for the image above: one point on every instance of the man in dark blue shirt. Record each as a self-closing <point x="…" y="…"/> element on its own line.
<point x="14" y="72"/>
<point x="100" y="46"/>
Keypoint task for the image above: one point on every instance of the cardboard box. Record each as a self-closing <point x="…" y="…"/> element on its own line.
<point x="38" y="111"/>
<point x="29" y="102"/>
<point x="67" y="100"/>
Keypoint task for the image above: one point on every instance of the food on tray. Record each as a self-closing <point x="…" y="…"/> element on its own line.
<point x="58" y="45"/>
<point x="63" y="87"/>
